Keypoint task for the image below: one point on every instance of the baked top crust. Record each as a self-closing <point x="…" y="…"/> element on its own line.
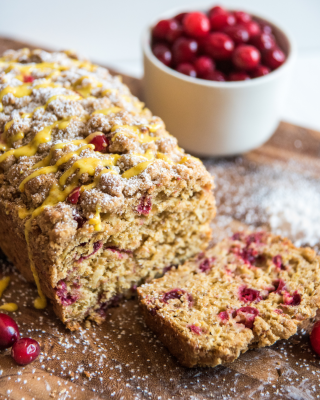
<point x="71" y="131"/>
<point x="248" y="291"/>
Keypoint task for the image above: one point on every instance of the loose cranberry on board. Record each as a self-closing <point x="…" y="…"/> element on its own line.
<point x="25" y="350"/>
<point x="9" y="331"/>
<point x="315" y="338"/>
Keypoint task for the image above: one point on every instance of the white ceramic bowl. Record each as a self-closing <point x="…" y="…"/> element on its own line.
<point x="216" y="118"/>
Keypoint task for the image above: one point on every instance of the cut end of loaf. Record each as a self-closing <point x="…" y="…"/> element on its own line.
<point x="248" y="291"/>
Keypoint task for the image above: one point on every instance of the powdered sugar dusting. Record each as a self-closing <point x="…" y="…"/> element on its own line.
<point x="286" y="199"/>
<point x="295" y="212"/>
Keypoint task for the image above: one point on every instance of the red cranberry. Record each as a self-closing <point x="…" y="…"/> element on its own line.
<point x="261" y="70"/>
<point x="187" y="69"/>
<point x="255" y="237"/>
<point x="237" y="236"/>
<point x="25" y="350"/>
<point x="166" y="29"/>
<point x="168" y="268"/>
<point x="242" y="17"/>
<point x="204" y="65"/>
<point x="315" y="338"/>
<point x="66" y="298"/>
<point x="273" y="58"/>
<point x="9" y="331"/>
<point x="73" y="197"/>
<point x="28" y="79"/>
<point x="219" y="21"/>
<point x="115" y="250"/>
<point x="239" y="76"/>
<point x="246" y="57"/>
<point x="253" y="28"/>
<point x="160" y="30"/>
<point x="279" y="285"/>
<point x="180" y="17"/>
<point x="205" y="265"/>
<point x="247" y="316"/>
<point x="196" y="24"/>
<point x="238" y="33"/>
<point x="215" y="76"/>
<point x="217" y="10"/>
<point x="266" y="28"/>
<point x="219" y="46"/>
<point x="248" y="255"/>
<point x="223" y="315"/>
<point x="249" y="295"/>
<point x="96" y="247"/>
<point x="176" y="294"/>
<point x="264" y="41"/>
<point x="163" y="53"/>
<point x="80" y="220"/>
<point x="174" y="32"/>
<point x="195" y="329"/>
<point x="277" y="261"/>
<point x="100" y="143"/>
<point x="184" y="50"/>
<point x="145" y="206"/>
<point x="293" y="300"/>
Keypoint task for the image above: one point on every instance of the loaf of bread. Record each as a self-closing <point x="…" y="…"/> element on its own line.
<point x="248" y="291"/>
<point x="95" y="195"/>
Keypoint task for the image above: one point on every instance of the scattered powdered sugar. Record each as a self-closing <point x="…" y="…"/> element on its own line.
<point x="286" y="199"/>
<point x="295" y="212"/>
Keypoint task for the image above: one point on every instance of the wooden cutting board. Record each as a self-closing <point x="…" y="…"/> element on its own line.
<point x="122" y="359"/>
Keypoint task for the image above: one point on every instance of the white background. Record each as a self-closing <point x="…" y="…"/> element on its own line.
<point x="109" y="31"/>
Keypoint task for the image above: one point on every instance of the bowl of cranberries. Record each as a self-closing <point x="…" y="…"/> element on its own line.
<point x="217" y="77"/>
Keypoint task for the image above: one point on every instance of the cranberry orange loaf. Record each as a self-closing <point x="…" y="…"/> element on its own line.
<point x="249" y="291"/>
<point x="95" y="195"/>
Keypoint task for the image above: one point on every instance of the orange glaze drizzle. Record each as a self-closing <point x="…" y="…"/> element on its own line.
<point x="4" y="283"/>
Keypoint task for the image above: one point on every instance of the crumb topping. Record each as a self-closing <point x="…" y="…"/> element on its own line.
<point x="66" y="124"/>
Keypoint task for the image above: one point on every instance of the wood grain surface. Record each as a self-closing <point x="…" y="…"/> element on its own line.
<point x="122" y="359"/>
